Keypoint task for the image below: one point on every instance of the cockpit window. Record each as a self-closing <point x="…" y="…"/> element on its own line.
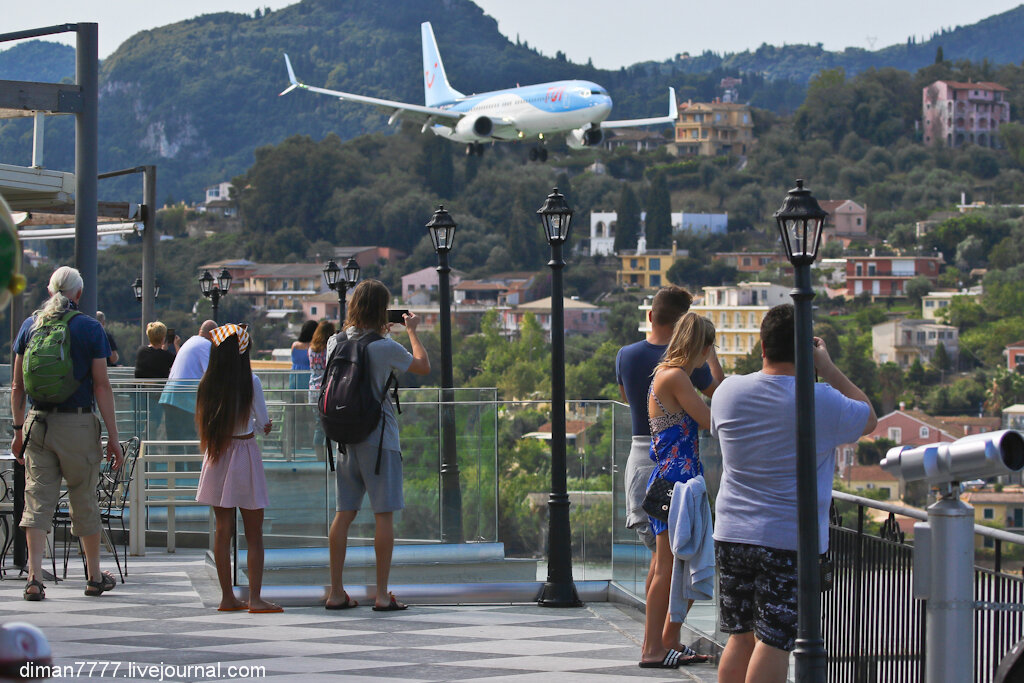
<point x="584" y="92"/>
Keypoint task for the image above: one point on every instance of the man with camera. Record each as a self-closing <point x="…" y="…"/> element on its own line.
<point x="754" y="418"/>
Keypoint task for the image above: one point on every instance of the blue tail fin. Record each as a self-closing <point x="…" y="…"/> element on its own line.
<point x="436" y="89"/>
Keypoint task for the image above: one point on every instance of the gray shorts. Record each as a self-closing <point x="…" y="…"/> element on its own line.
<point x="638" y="472"/>
<point x="355" y="477"/>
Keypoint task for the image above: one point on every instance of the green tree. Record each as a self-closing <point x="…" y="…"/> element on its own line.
<point x="658" y="223"/>
<point x="941" y="359"/>
<point x="890" y="385"/>
<point x="916" y="288"/>
<point x="627" y="226"/>
<point x="749" y="363"/>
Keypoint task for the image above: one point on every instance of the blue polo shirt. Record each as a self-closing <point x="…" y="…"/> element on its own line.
<point x="634" y="366"/>
<point x="88" y="341"/>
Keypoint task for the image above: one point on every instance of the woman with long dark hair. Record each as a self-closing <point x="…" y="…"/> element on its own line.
<point x="317" y="365"/>
<point x="229" y="407"/>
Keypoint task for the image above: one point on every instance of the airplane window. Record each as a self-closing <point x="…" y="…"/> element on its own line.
<point x="584" y="92"/>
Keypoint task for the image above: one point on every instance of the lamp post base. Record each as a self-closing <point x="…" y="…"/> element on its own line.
<point x="559" y="594"/>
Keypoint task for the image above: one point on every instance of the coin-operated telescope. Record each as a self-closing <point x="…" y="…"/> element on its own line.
<point x="944" y="545"/>
<point x="973" y="457"/>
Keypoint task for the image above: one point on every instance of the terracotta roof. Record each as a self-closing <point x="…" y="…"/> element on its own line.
<point x="927" y="419"/>
<point x="1015" y="344"/>
<point x="982" y="85"/>
<point x="994" y="497"/>
<point x="571" y="426"/>
<point x="545" y="304"/>
<point x="868" y="473"/>
<point x="831" y="205"/>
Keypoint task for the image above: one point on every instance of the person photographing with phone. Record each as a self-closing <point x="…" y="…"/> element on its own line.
<point x="372" y="465"/>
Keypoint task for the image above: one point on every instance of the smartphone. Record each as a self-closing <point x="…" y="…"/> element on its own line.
<point x="395" y="315"/>
<point x="170" y="335"/>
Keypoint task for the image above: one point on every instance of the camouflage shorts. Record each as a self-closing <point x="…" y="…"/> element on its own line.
<point x="758" y="592"/>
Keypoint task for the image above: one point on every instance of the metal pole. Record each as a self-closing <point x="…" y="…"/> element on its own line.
<point x="215" y="299"/>
<point x="20" y="557"/>
<point x="950" y="601"/>
<point x="148" y="249"/>
<point x="342" y="302"/>
<point x="810" y="646"/>
<point x="451" y="492"/>
<point x="86" y="163"/>
<point x="559" y="590"/>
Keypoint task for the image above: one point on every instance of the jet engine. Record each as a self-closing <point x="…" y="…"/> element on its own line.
<point x="584" y="137"/>
<point x="479" y="127"/>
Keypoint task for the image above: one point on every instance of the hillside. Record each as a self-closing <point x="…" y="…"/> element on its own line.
<point x="198" y="97"/>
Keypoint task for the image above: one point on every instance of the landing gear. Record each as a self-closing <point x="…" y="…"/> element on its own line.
<point x="538" y="154"/>
<point x="476" y="148"/>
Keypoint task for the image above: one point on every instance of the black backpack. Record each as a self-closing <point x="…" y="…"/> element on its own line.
<point x="348" y="410"/>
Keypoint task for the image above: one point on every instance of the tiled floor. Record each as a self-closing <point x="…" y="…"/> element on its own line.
<point x="164" y="615"/>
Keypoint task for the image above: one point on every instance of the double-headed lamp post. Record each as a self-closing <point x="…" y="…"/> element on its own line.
<point x="137" y="289"/>
<point x="341" y="280"/>
<point x="800" y="220"/>
<point x="442" y="233"/>
<point x="215" y="289"/>
<point x="559" y="590"/>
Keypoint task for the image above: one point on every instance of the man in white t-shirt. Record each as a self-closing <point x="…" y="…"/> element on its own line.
<point x="178" y="398"/>
<point x="754" y="418"/>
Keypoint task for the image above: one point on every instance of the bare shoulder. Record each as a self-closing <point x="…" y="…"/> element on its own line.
<point x="671" y="376"/>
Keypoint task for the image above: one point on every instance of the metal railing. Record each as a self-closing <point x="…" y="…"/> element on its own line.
<point x="875" y="628"/>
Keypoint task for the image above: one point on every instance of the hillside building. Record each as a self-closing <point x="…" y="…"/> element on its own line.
<point x="905" y="341"/>
<point x="603" y="226"/>
<point x="847" y="221"/>
<point x="956" y="114"/>
<point x="1015" y="356"/>
<point x="714" y="129"/>
<point x="887" y="276"/>
<point x="580" y="317"/>
<point x="647" y="268"/>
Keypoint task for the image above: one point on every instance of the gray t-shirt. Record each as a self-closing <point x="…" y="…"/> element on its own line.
<point x="754" y="418"/>
<point x="385" y="356"/>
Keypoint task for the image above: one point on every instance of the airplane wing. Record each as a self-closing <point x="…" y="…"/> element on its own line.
<point x="673" y="114"/>
<point x="413" y="112"/>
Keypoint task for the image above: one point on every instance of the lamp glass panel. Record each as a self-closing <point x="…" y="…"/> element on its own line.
<point x="206" y="282"/>
<point x="224" y="281"/>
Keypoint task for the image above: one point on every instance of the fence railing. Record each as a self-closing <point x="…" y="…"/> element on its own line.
<point x="875" y="628"/>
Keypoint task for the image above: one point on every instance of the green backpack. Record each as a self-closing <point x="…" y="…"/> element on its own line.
<point x="48" y="371"/>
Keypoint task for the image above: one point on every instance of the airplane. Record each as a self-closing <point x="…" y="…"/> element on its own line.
<point x="578" y="109"/>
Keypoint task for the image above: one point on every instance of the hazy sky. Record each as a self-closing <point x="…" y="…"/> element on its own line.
<point x="613" y="33"/>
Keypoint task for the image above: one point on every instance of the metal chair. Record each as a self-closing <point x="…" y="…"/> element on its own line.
<point x="112" y="491"/>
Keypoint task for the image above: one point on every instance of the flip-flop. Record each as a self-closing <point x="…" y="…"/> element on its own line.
<point x="271" y="610"/>
<point x="671" y="661"/>
<point x="232" y="609"/>
<point x="392" y="606"/>
<point x="348" y="604"/>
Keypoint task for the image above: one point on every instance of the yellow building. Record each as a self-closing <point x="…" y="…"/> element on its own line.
<point x="1004" y="508"/>
<point x="861" y="478"/>
<point x="646" y="268"/>
<point x="714" y="129"/>
<point x="737" y="312"/>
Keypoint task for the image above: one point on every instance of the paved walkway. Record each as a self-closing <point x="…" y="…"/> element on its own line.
<point x="164" y="615"/>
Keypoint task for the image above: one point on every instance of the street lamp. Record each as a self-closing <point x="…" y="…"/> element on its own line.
<point x="137" y="288"/>
<point x="800" y="220"/>
<point x="559" y="590"/>
<point x="215" y="289"/>
<point x="442" y="233"/>
<point x="339" y="280"/>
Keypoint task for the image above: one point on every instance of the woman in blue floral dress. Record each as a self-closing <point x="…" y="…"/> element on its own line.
<point x="677" y="413"/>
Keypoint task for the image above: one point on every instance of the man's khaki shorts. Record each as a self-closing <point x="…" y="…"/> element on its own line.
<point x="62" y="446"/>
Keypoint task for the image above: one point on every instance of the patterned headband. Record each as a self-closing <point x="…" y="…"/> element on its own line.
<point x="219" y="334"/>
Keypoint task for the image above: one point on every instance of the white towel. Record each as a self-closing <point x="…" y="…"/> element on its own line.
<point x="693" y="548"/>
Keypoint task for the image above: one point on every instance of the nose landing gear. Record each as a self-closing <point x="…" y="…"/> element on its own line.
<point x="476" y="148"/>
<point x="538" y="154"/>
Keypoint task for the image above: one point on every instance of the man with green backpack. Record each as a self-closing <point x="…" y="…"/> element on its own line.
<point x="60" y="365"/>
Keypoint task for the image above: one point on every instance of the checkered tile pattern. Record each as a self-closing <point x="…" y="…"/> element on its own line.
<point x="165" y="614"/>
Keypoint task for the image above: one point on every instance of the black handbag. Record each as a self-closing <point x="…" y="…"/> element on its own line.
<point x="659" y="499"/>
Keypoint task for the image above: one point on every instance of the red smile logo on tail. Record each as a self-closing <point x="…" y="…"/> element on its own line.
<point x="430" y="76"/>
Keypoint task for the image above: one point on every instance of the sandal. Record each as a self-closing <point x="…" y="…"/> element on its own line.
<point x="96" y="588"/>
<point x="38" y="595"/>
<point x="392" y="606"/>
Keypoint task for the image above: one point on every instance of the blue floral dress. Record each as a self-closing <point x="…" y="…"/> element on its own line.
<point x="674" y="448"/>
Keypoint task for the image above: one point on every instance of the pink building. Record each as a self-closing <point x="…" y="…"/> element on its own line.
<point x="956" y="113"/>
<point x="580" y="317"/>
<point x="847" y="221"/>
<point x="1015" y="355"/>
<point x="424" y="282"/>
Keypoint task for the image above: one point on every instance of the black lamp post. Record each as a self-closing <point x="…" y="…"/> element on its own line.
<point x="137" y="289"/>
<point x="340" y="280"/>
<point x="442" y="233"/>
<point x="215" y="289"/>
<point x="559" y="590"/>
<point x="800" y="220"/>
